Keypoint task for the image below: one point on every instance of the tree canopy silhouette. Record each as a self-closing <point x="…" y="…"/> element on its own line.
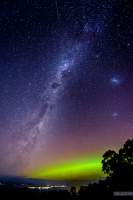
<point x="119" y="165"/>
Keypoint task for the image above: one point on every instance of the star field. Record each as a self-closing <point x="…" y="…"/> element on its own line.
<point x="66" y="83"/>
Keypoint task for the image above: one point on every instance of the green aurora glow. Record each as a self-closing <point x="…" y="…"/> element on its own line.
<point x="83" y="169"/>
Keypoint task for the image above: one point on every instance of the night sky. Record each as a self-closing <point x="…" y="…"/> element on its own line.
<point x="66" y="84"/>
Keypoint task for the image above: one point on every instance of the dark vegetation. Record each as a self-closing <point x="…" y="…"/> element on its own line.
<point x="118" y="166"/>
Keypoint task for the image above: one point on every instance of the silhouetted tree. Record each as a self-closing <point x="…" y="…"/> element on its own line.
<point x="119" y="166"/>
<point x="109" y="162"/>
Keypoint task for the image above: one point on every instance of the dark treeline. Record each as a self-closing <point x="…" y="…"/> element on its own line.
<point x="118" y="166"/>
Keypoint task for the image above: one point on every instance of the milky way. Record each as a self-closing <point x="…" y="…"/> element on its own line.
<point x="35" y="133"/>
<point x="66" y="84"/>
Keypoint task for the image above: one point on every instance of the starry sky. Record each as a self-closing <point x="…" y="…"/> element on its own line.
<point x="66" y="85"/>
